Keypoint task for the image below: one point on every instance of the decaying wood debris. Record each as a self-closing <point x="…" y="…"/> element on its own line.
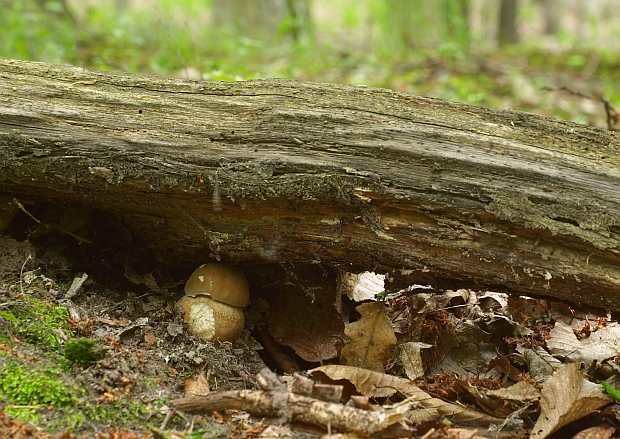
<point x="258" y="172"/>
<point x="275" y="401"/>
<point x="306" y="404"/>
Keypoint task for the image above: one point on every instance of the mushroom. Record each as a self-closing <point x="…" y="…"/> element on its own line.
<point x="215" y="295"/>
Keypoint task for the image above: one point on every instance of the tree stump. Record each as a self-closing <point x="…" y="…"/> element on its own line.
<point x="423" y="190"/>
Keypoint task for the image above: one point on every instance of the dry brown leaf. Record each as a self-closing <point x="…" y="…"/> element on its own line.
<point x="601" y="431"/>
<point x="540" y="363"/>
<point x="410" y="357"/>
<point x="375" y="384"/>
<point x="565" y="397"/>
<point x="371" y="338"/>
<point x="366" y="382"/>
<point x="150" y="338"/>
<point x="504" y="401"/>
<point x="198" y="385"/>
<point x="305" y="319"/>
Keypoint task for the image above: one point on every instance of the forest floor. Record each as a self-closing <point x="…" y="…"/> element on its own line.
<point x="106" y="360"/>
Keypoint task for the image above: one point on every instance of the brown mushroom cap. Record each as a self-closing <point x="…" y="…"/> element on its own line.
<point x="212" y="320"/>
<point x="222" y="282"/>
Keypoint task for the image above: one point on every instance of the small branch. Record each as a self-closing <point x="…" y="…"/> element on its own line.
<point x="613" y="113"/>
<point x="21" y="207"/>
<point x="296" y="408"/>
<point x="21" y="275"/>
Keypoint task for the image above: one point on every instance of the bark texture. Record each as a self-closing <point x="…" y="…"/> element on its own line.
<point x="266" y="171"/>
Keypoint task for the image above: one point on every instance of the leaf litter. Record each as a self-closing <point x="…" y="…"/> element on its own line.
<point x="414" y="363"/>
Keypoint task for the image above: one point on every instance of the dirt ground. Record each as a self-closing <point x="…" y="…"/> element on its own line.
<point x="92" y="344"/>
<point x="143" y="350"/>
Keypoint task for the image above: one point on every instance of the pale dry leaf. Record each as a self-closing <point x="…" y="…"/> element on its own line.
<point x="340" y="436"/>
<point x="375" y="384"/>
<point x="599" y="346"/>
<point x="370" y="338"/>
<point x="410" y="356"/>
<point x="540" y="363"/>
<point x="363" y="286"/>
<point x="566" y="397"/>
<point x="310" y="325"/>
<point x="562" y="341"/>
<point x="460" y="433"/>
<point x="576" y="317"/>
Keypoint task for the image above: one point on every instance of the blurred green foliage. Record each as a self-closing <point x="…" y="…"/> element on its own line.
<point x="418" y="47"/>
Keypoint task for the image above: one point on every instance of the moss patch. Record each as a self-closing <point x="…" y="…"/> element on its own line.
<point x="81" y="351"/>
<point x="29" y="391"/>
<point x="40" y="323"/>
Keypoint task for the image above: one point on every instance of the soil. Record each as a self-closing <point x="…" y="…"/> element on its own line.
<point x="142" y="347"/>
<point x="92" y="344"/>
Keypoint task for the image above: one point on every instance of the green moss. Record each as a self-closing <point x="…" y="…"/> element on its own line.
<point x="81" y="351"/>
<point x="122" y="412"/>
<point x="22" y="386"/>
<point x="39" y="323"/>
<point x="29" y="392"/>
<point x="8" y="316"/>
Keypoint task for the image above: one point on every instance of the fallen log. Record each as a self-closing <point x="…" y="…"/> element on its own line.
<point x="357" y="178"/>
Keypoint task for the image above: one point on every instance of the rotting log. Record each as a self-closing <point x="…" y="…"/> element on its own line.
<point x="425" y="190"/>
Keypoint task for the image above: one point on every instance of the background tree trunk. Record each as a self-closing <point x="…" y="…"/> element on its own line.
<point x="507" y="30"/>
<point x="261" y="172"/>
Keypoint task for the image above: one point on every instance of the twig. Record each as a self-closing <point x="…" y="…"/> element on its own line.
<point x="613" y="113"/>
<point x="21" y="275"/>
<point x="9" y="304"/>
<point x="21" y="207"/>
<point x="167" y="419"/>
<point x="297" y="408"/>
<point x="78" y="238"/>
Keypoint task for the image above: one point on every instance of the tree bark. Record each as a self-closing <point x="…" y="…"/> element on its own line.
<point x="258" y="18"/>
<point x="507" y="29"/>
<point x="424" y="190"/>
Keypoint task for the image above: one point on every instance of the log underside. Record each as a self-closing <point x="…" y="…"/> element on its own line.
<point x="356" y="178"/>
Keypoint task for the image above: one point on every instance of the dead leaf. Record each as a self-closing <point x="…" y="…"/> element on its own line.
<point x="371" y="338"/>
<point x="601" y="431"/>
<point x="410" y="357"/>
<point x="375" y="384"/>
<point x="423" y="303"/>
<point x="366" y="382"/>
<point x="540" y="363"/>
<point x="599" y="346"/>
<point x="196" y="386"/>
<point x="150" y="338"/>
<point x="304" y="318"/>
<point x="461" y="348"/>
<point x="565" y="397"/>
<point x="504" y="401"/>
<point x="361" y="287"/>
